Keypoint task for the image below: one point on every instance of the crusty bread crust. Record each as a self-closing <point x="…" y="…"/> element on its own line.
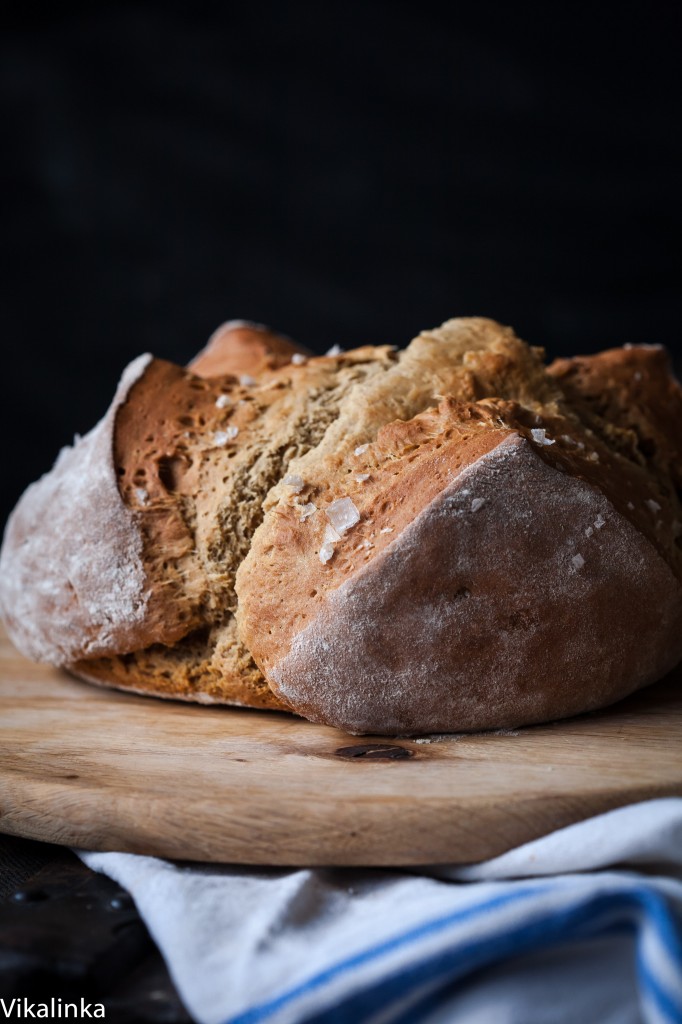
<point x="72" y="577"/>
<point x="492" y="608"/>
<point x="404" y="624"/>
<point x="195" y="457"/>
<point x="242" y="347"/>
<point x="509" y="545"/>
<point x="631" y="399"/>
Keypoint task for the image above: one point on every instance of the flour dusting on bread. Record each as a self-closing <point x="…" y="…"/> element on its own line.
<point x="72" y="580"/>
<point x="449" y="537"/>
<point x="497" y="632"/>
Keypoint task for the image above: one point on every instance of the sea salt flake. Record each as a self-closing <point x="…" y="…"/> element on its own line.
<point x="477" y="503"/>
<point x="331" y="536"/>
<point x="142" y="495"/>
<point x="342" y="514"/>
<point x="246" y="380"/>
<point x="578" y="561"/>
<point x="326" y="552"/>
<point x="361" y="449"/>
<point x="652" y="505"/>
<point x="223" y="437"/>
<point x="599" y="522"/>
<point x="539" y="435"/>
<point x="298" y="359"/>
<point x="593" y="457"/>
<point x="307" y="510"/>
<point x="222" y="401"/>
<point x="567" y="439"/>
<point x="589" y="531"/>
<point x="387" y="529"/>
<point x="335" y="350"/>
<point x="361" y="477"/>
<point x="296" y="482"/>
<point x="630" y="505"/>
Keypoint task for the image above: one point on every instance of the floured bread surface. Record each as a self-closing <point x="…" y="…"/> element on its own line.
<point x="445" y="538"/>
<point x="120" y="563"/>
<point x="196" y="457"/>
<point x="200" y="506"/>
<point x="457" y="571"/>
<point x="522" y="617"/>
<point x="72" y="577"/>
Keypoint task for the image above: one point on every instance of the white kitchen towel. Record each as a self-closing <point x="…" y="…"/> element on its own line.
<point x="583" y="926"/>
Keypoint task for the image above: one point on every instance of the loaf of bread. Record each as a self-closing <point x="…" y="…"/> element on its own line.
<point x="450" y="537"/>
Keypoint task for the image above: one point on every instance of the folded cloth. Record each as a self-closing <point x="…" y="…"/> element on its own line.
<point x="583" y="925"/>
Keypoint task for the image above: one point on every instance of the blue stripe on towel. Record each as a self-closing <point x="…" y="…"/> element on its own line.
<point x="264" y="1010"/>
<point x="596" y="915"/>
<point x="576" y="923"/>
<point x="588" y="918"/>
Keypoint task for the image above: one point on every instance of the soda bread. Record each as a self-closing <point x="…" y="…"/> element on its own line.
<point x="446" y="538"/>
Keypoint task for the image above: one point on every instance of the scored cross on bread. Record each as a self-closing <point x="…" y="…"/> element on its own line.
<point x="448" y="537"/>
<point x="499" y="561"/>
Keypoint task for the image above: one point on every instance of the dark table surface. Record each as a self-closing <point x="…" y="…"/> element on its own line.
<point x="67" y="932"/>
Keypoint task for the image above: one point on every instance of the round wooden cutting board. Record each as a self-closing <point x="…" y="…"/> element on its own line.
<point x="103" y="770"/>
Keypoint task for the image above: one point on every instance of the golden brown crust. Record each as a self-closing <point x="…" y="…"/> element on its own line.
<point x="240" y="347"/>
<point x="517" y="595"/>
<point x="631" y="400"/>
<point x="298" y="613"/>
<point x="207" y="667"/>
<point x="283" y="582"/>
<point x="470" y="593"/>
<point x="632" y="395"/>
<point x="195" y="457"/>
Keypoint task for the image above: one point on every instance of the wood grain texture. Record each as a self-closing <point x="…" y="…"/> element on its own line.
<point x="105" y="770"/>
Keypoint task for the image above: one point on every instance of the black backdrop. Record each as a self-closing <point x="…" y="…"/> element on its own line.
<point x="346" y="172"/>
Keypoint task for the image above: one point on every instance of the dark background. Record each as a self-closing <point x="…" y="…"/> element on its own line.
<point x="346" y="172"/>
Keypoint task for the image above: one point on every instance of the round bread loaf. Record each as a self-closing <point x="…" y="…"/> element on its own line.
<point x="446" y="538"/>
<point x="119" y="564"/>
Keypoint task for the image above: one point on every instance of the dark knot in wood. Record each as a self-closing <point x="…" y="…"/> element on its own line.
<point x="374" y="752"/>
